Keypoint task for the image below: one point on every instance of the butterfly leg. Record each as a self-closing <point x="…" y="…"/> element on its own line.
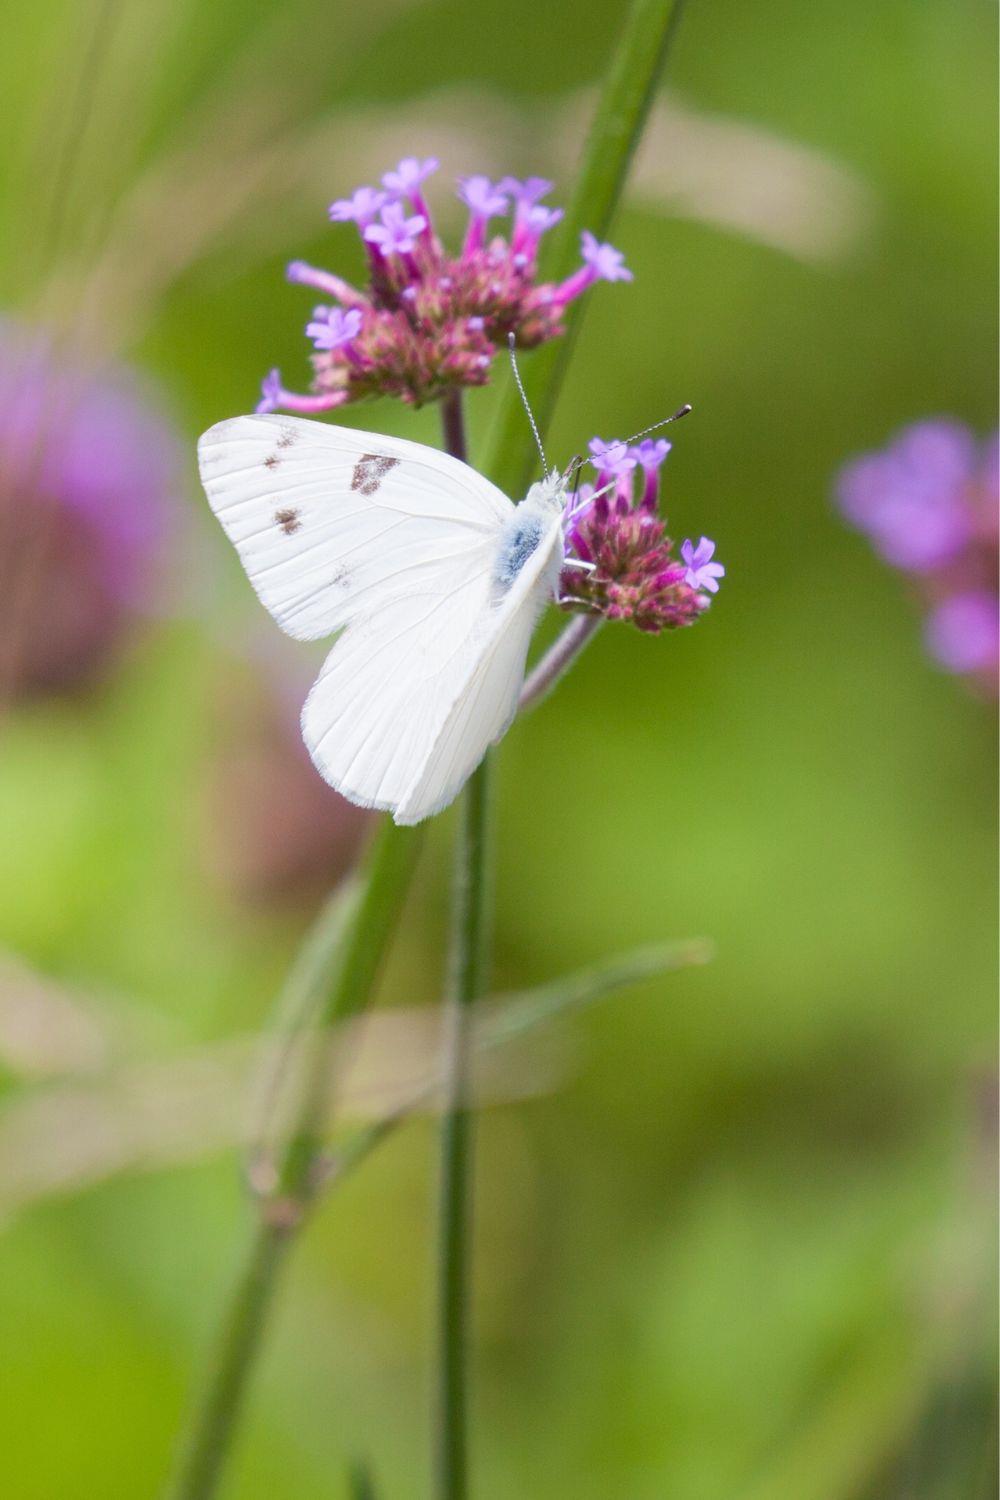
<point x="572" y="599"/>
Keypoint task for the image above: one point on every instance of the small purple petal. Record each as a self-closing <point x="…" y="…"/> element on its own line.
<point x="270" y="392"/>
<point x="396" y="235"/>
<point x="409" y="174"/>
<point x="310" y="405"/>
<point x="479" y="194"/>
<point x="701" y="572"/>
<point x="526" y="193"/>
<point x="614" y="457"/>
<point x="324" y="281"/>
<point x="538" y="220"/>
<point x="649" y="455"/>
<point x="607" y="263"/>
<point x="360" y="208"/>
<point x="332" y="326"/>
<point x="274" y="395"/>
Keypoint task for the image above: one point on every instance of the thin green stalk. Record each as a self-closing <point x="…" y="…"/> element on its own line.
<point x="374" y="905"/>
<point x="342" y="956"/>
<point x="557" y="661"/>
<point x="635" y="72"/>
<point x="468" y="980"/>
<point x="206" y="1443"/>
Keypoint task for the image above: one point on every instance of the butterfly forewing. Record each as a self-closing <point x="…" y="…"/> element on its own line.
<point x="399" y="544"/>
<point x="330" y="523"/>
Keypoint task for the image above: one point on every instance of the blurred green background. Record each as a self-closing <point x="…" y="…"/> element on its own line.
<point x="741" y="1248"/>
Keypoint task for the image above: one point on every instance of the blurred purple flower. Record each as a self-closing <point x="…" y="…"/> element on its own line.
<point x="430" y="322"/>
<point x="88" y="472"/>
<point x="911" y="498"/>
<point x="619" y="561"/>
<point x="274" y="832"/>
<point x="928" y="503"/>
<point x="962" y="632"/>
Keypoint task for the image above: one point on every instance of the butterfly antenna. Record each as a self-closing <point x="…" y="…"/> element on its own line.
<point x="681" y="412"/>
<point x="524" y="400"/>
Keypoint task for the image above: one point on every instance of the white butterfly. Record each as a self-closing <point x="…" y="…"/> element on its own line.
<point x="435" y="578"/>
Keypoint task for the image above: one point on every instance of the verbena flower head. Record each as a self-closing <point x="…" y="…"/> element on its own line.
<point x="89" y="469"/>
<point x="428" y="321"/>
<point x="613" y="527"/>
<point x="928" y="504"/>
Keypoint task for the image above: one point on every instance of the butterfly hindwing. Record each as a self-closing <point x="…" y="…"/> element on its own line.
<point x="407" y="704"/>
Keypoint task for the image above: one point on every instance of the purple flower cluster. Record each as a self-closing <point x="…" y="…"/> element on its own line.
<point x="928" y="503"/>
<point x="619" y="561"/>
<point x="89" y="470"/>
<point x="428" y="322"/>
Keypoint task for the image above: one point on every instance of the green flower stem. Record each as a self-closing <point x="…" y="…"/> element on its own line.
<point x="467" y="982"/>
<point x="352" y="964"/>
<point x="636" y="70"/>
<point x="338" y="964"/>
<point x="207" y="1441"/>
<point x="627" y="95"/>
<point x="558" y="659"/>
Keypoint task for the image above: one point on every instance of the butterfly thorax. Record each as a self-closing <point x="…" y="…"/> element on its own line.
<point x="530" y="527"/>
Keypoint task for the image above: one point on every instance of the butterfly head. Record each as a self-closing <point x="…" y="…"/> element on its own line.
<point x="549" y="494"/>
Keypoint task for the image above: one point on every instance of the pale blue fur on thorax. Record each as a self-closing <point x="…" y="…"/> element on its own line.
<point x="528" y="527"/>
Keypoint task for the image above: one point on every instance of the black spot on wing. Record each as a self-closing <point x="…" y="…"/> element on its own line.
<point x="286" y="437"/>
<point x="272" y="461"/>
<point x="370" y="470"/>
<point x="288" y="520"/>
